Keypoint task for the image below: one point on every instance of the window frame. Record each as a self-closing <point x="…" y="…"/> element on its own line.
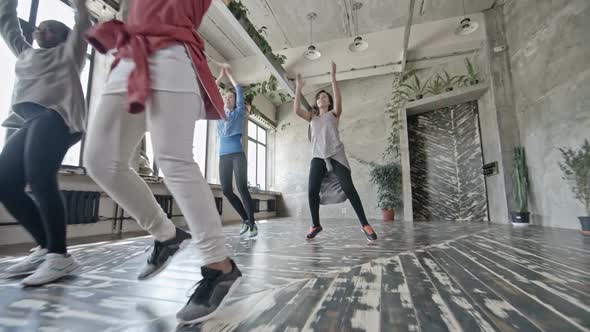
<point x="256" y="144"/>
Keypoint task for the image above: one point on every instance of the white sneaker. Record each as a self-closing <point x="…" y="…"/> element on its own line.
<point x="56" y="266"/>
<point x="29" y="264"/>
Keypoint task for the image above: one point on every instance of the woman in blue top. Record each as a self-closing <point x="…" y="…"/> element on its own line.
<point x="232" y="158"/>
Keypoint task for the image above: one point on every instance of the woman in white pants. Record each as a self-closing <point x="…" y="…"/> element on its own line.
<point x="161" y="84"/>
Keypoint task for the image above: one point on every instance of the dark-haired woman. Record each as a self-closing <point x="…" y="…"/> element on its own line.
<point x="49" y="102"/>
<point x="330" y="181"/>
<point x="232" y="160"/>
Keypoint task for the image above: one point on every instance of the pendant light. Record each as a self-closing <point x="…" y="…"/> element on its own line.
<point x="358" y="44"/>
<point x="312" y="52"/>
<point x="466" y="26"/>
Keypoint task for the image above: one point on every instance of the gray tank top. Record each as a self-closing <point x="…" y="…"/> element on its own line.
<point x="326" y="145"/>
<point x="325" y="138"/>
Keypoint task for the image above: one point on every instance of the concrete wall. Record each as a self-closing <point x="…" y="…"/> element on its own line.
<point x="549" y="55"/>
<point x="364" y="130"/>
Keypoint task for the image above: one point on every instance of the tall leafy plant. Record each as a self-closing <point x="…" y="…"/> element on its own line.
<point x="521" y="180"/>
<point x="576" y="171"/>
<point x="388" y="179"/>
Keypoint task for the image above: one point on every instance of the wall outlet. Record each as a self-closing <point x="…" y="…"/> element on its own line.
<point x="343" y="210"/>
<point x="498" y="49"/>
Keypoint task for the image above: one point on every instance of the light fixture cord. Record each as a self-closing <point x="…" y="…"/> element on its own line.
<point x="311" y="31"/>
<point x="464" y="12"/>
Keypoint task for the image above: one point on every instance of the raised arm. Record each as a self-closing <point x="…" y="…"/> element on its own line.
<point x="240" y="102"/>
<point x="76" y="45"/>
<point x="297" y="104"/>
<point x="220" y="77"/>
<point x="10" y="27"/>
<point x="336" y="92"/>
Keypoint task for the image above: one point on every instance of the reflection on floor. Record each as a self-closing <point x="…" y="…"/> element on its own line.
<point x="437" y="276"/>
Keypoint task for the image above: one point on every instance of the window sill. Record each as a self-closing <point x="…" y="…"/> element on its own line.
<point x="68" y="171"/>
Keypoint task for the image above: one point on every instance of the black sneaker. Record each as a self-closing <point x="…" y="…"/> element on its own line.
<point x="162" y="254"/>
<point x="313" y="231"/>
<point x="369" y="233"/>
<point x="211" y="293"/>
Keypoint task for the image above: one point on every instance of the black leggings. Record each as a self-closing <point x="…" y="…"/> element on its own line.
<point x="317" y="173"/>
<point x="33" y="156"/>
<point x="228" y="165"/>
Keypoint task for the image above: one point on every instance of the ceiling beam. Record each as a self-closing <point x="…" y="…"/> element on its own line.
<point x="275" y="68"/>
<point x="407" y="30"/>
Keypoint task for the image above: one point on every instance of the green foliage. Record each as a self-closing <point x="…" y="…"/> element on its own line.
<point x="576" y="171"/>
<point x="240" y="12"/>
<point x="399" y="97"/>
<point x="388" y="179"/>
<point x="452" y="81"/>
<point x="472" y="75"/>
<point x="267" y="88"/>
<point x="521" y="180"/>
<point x="436" y="86"/>
<point x="416" y="86"/>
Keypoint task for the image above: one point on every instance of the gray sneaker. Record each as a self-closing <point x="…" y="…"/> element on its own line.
<point x="162" y="254"/>
<point x="211" y="293"/>
<point x="55" y="267"/>
<point x="28" y="265"/>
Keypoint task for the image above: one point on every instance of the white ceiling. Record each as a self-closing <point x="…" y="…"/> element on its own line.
<point x="288" y="27"/>
<point x="287" y="24"/>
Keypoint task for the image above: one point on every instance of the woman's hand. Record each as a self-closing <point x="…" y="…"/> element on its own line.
<point x="333" y="70"/>
<point x="299" y="83"/>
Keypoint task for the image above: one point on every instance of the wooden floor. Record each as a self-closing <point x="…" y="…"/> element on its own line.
<point x="437" y="276"/>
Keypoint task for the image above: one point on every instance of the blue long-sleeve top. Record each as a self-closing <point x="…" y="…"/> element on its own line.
<point x="230" y="130"/>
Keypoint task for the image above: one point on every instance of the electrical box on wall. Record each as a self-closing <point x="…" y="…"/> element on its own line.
<point x="490" y="169"/>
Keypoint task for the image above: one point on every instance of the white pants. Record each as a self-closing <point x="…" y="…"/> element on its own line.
<point x="112" y="137"/>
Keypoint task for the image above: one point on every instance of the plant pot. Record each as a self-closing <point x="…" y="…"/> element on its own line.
<point x="520" y="218"/>
<point x="585" y="223"/>
<point x="419" y="97"/>
<point x="388" y="215"/>
<point x="449" y="89"/>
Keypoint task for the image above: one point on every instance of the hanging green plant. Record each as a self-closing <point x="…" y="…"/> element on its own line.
<point x="240" y="12"/>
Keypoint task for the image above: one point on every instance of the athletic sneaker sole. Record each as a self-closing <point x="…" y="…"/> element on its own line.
<point x="18" y="274"/>
<point x="73" y="270"/>
<point x="232" y="289"/>
<point x="181" y="247"/>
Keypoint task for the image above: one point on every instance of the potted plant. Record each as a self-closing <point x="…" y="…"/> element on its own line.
<point x="449" y="81"/>
<point x="472" y="75"/>
<point x="416" y="86"/>
<point x="436" y="86"/>
<point x="576" y="170"/>
<point x="520" y="177"/>
<point x="388" y="179"/>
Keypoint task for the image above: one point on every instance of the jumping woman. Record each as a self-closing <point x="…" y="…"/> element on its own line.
<point x="232" y="159"/>
<point x="329" y="173"/>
